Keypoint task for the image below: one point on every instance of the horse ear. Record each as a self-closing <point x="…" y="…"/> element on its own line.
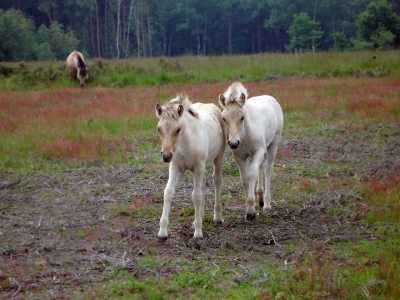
<point x="180" y="109"/>
<point x="158" y="110"/>
<point x="242" y="99"/>
<point x="222" y="100"/>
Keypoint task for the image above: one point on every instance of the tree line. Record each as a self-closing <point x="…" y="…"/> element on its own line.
<point x="50" y="29"/>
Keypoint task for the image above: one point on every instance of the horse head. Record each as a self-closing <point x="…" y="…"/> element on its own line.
<point x="169" y="127"/>
<point x="233" y="114"/>
<point x="82" y="75"/>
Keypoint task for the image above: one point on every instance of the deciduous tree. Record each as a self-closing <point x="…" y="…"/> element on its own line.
<point x="17" y="35"/>
<point x="379" y="23"/>
<point x="304" y="33"/>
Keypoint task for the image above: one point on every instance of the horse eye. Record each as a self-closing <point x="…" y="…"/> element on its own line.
<point x="223" y="119"/>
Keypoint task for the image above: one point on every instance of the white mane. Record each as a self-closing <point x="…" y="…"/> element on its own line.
<point x="170" y="109"/>
<point x="181" y="99"/>
<point x="233" y="93"/>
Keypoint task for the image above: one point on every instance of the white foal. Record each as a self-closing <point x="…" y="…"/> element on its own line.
<point x="254" y="130"/>
<point x="191" y="136"/>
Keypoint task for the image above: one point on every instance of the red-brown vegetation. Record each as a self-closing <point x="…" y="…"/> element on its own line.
<point x="383" y="187"/>
<point x="284" y="153"/>
<point x="306" y="185"/>
<point x="382" y="197"/>
<point x="53" y="115"/>
<point x="73" y="149"/>
<point x="140" y="201"/>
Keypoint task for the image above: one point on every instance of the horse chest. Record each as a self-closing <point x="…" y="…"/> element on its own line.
<point x="189" y="155"/>
<point x="243" y="152"/>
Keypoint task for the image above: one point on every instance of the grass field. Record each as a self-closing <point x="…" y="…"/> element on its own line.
<point x="196" y="69"/>
<point x="81" y="183"/>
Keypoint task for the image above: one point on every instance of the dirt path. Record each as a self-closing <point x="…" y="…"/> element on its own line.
<point x="64" y="231"/>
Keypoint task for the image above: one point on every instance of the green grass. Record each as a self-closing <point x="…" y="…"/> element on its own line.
<point x="192" y="69"/>
<point x="147" y="212"/>
<point x="352" y="271"/>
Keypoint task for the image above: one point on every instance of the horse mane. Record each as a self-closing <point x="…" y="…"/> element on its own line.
<point x="81" y="66"/>
<point x="82" y="71"/>
<point x="80" y="63"/>
<point x="170" y="111"/>
<point x="232" y="94"/>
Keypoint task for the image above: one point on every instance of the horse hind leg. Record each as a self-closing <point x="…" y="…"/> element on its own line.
<point x="217" y="178"/>
<point x="198" y="198"/>
<point x="203" y="198"/>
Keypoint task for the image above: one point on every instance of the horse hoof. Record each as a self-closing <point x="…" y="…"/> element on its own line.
<point x="162" y="239"/>
<point x="218" y="222"/>
<point x="196" y="239"/>
<point x="250" y="217"/>
<point x="267" y="210"/>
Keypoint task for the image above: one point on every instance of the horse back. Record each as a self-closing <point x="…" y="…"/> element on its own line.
<point x="212" y="110"/>
<point x="210" y="131"/>
<point x="266" y="116"/>
<point x="75" y="60"/>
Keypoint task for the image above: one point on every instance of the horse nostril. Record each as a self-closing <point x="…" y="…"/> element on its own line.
<point x="167" y="157"/>
<point x="161" y="152"/>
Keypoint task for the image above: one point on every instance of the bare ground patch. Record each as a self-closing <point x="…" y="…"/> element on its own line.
<point x="63" y="232"/>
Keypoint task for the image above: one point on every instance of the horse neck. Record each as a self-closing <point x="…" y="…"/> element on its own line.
<point x="80" y="63"/>
<point x="247" y="120"/>
<point x="189" y="125"/>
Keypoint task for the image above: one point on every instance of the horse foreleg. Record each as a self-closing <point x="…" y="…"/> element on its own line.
<point x="169" y="191"/>
<point x="247" y="187"/>
<point x="72" y="73"/>
<point x="243" y="173"/>
<point x="197" y="197"/>
<point x="251" y="175"/>
<point x="269" y="167"/>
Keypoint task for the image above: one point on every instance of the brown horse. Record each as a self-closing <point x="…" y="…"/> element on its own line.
<point x="76" y="66"/>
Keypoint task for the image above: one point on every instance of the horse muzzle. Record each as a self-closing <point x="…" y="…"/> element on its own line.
<point x="234" y="144"/>
<point x="166" y="157"/>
